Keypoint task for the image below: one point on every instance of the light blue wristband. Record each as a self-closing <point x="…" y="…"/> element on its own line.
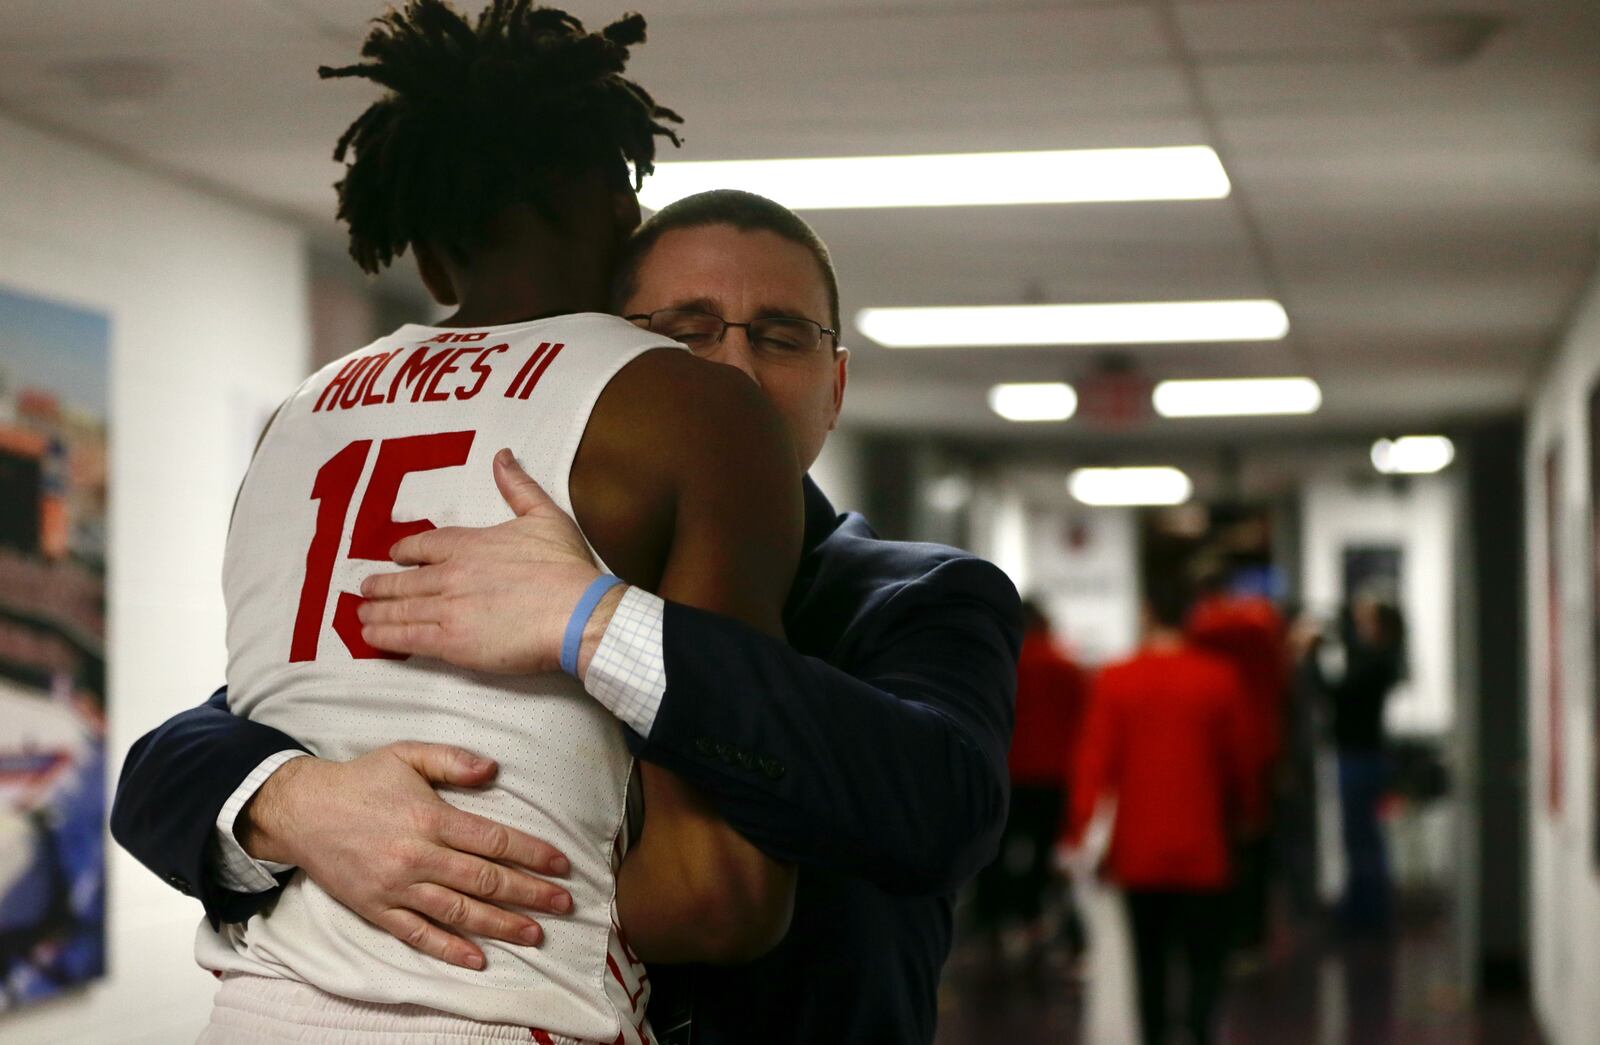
<point x="573" y="639"/>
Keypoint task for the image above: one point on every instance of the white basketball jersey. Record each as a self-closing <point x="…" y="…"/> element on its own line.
<point x="392" y="440"/>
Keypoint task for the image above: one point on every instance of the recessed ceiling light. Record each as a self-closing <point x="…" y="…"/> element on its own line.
<point x="1129" y="487"/>
<point x="1134" y="323"/>
<point x="1188" y="172"/>
<point x="1243" y="397"/>
<point x="1044" y="401"/>
<point x="1413" y="455"/>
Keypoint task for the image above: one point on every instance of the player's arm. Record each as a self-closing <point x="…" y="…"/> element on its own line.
<point x="692" y="888"/>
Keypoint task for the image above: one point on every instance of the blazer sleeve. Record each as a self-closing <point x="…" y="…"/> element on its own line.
<point x="175" y="781"/>
<point x="894" y="770"/>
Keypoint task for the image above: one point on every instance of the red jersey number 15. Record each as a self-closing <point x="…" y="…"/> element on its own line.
<point x="375" y="531"/>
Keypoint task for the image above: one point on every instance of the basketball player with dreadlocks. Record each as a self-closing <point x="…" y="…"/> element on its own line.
<point x="501" y="157"/>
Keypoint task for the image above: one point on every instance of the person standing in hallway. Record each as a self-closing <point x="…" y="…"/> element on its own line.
<point x="1295" y="837"/>
<point x="1248" y="631"/>
<point x="1011" y="891"/>
<point x="1374" y="653"/>
<point x="1166" y="738"/>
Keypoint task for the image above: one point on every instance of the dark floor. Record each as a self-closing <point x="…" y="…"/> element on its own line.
<point x="1314" y="990"/>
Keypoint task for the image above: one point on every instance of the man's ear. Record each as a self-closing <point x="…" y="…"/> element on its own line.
<point x="435" y="274"/>
<point x="841" y="376"/>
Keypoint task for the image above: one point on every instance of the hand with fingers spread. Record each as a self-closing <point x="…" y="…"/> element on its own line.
<point x="492" y="599"/>
<point x="373" y="834"/>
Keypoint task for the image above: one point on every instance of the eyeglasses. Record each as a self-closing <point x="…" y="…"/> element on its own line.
<point x="789" y="338"/>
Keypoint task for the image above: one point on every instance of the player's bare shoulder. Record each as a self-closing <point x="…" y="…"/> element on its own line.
<point x="670" y="426"/>
<point x="671" y="409"/>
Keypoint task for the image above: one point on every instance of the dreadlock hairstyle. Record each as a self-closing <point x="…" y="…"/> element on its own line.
<point x="481" y="116"/>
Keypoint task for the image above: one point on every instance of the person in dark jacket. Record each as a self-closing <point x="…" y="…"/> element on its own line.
<point x="870" y="750"/>
<point x="1374" y="644"/>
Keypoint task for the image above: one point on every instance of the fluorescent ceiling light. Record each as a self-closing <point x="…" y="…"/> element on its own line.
<point x="1047" y="401"/>
<point x="1413" y="455"/>
<point x="1238" y="398"/>
<point x="1129" y="487"/>
<point x="1189" y="172"/>
<point x="1134" y="323"/>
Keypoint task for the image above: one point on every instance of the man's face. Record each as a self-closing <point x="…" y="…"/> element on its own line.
<point x="741" y="276"/>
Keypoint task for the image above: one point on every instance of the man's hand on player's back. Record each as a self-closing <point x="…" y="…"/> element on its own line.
<point x="375" y="836"/>
<point x="467" y="603"/>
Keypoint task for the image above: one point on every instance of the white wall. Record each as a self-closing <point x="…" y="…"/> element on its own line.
<point x="1084" y="566"/>
<point x="1564" y="891"/>
<point x="1080" y="563"/>
<point x="1420" y="519"/>
<point x="837" y="470"/>
<point x="998" y="516"/>
<point x="344" y="312"/>
<point x="209" y="329"/>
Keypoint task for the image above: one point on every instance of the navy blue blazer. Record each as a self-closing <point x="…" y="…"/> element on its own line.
<point x="871" y="751"/>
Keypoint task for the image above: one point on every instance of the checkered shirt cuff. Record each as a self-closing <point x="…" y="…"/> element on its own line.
<point x="628" y="673"/>
<point x="234" y="869"/>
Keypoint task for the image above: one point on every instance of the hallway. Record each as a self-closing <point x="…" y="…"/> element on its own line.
<point x="1316" y="991"/>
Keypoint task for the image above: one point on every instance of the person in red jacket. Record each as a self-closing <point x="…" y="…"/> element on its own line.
<point x="1049" y="711"/>
<point x="1249" y="632"/>
<point x="1166" y="737"/>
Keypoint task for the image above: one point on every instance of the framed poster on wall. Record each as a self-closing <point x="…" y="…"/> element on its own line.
<point x="53" y="469"/>
<point x="1555" y="720"/>
<point x="1373" y="571"/>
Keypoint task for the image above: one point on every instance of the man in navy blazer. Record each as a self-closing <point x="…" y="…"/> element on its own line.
<point x="870" y="751"/>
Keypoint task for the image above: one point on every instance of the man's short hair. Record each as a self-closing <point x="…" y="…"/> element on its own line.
<point x="744" y="211"/>
<point x="1169" y="597"/>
